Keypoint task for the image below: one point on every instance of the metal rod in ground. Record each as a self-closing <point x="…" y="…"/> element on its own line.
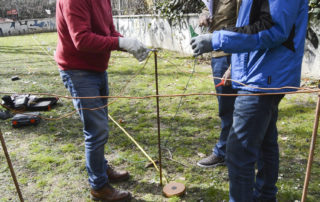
<point x="311" y="152"/>
<point x="158" y="113"/>
<point x="4" y="147"/>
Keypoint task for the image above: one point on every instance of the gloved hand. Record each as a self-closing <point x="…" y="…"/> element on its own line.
<point x="201" y="44"/>
<point x="135" y="47"/>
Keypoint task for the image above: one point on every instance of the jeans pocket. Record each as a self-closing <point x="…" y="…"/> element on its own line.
<point x="66" y="77"/>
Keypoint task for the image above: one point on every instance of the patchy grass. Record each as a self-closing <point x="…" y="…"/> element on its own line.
<point x="49" y="158"/>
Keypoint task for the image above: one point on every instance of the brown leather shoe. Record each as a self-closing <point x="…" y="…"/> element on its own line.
<point x="117" y="176"/>
<point x="108" y="193"/>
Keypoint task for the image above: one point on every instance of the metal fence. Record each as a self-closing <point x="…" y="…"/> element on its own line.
<point x="131" y="7"/>
<point x="27" y="9"/>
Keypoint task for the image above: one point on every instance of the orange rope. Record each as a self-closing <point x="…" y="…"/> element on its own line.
<point x="307" y="91"/>
<point x="149" y="97"/>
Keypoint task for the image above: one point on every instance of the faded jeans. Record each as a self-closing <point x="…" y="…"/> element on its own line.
<point x="226" y="104"/>
<point x="95" y="122"/>
<point x="253" y="139"/>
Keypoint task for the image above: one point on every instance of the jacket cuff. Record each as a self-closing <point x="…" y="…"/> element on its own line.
<point x="216" y="41"/>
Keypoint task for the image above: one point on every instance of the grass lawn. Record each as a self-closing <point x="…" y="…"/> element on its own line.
<point x="49" y="159"/>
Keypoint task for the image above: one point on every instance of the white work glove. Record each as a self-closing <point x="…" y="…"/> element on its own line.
<point x="201" y="44"/>
<point x="135" y="47"/>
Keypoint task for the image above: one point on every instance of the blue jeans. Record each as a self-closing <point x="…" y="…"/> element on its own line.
<point x="253" y="139"/>
<point x="95" y="122"/>
<point x="226" y="104"/>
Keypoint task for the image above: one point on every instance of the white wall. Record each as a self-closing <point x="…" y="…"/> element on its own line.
<point x="27" y="26"/>
<point x="311" y="61"/>
<point x="158" y="33"/>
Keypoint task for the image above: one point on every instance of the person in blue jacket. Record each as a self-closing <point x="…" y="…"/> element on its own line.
<point x="268" y="46"/>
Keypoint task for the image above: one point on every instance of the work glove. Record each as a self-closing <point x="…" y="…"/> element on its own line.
<point x="201" y="44"/>
<point x="135" y="47"/>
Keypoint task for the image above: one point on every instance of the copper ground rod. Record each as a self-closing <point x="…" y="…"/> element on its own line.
<point x="4" y="147"/>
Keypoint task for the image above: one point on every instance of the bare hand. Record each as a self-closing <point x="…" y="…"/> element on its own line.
<point x="227" y="77"/>
<point x="204" y="20"/>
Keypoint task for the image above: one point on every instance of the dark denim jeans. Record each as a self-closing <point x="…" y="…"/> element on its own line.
<point x="95" y="122"/>
<point x="253" y="139"/>
<point x="226" y="104"/>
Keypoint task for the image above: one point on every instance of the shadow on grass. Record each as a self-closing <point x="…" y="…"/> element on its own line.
<point x="130" y="73"/>
<point x="295" y="110"/>
<point x="22" y="50"/>
<point x="193" y="192"/>
<point x="23" y="75"/>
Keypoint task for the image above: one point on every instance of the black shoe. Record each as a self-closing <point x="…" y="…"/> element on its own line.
<point x="211" y="161"/>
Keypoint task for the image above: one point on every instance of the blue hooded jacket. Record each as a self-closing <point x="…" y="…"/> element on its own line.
<point x="267" y="44"/>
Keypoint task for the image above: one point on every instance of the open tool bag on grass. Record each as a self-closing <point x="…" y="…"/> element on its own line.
<point x="29" y="102"/>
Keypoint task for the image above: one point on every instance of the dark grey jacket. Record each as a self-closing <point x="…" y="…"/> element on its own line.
<point x="225" y="14"/>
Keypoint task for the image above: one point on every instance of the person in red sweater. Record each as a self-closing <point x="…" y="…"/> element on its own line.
<point x="86" y="37"/>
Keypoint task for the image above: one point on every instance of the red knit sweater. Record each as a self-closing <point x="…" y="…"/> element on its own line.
<point x="86" y="34"/>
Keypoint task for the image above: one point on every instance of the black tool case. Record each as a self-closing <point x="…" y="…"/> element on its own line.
<point x="26" y="119"/>
<point x="42" y="104"/>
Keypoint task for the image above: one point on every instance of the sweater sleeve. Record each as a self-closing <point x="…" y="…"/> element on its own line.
<point x="271" y="24"/>
<point x="114" y="32"/>
<point x="78" y="19"/>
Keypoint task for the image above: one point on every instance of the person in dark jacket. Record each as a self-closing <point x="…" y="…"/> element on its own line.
<point x="268" y="46"/>
<point x="217" y="16"/>
<point x="86" y="37"/>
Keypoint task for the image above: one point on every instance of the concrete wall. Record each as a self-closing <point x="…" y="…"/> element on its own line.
<point x="27" y="27"/>
<point x="311" y="61"/>
<point x="157" y="32"/>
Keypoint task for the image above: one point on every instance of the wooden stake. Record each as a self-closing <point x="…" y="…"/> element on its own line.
<point x="311" y="152"/>
<point x="4" y="147"/>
